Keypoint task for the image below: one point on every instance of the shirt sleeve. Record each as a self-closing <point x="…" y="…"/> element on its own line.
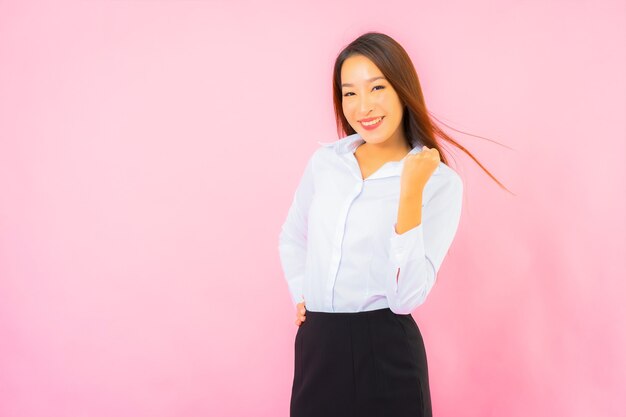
<point x="416" y="255"/>
<point x="292" y="245"/>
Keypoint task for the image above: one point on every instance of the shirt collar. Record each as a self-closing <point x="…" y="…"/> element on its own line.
<point x="346" y="146"/>
<point x="351" y="142"/>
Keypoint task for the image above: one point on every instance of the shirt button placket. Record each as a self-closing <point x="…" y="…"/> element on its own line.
<point x="338" y="242"/>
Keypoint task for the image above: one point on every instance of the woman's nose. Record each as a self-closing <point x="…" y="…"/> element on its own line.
<point x="365" y="105"/>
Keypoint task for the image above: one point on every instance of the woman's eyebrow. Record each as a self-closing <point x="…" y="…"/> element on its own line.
<point x="370" y="80"/>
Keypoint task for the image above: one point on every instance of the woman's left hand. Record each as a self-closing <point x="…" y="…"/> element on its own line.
<point x="300" y="313"/>
<point x="417" y="169"/>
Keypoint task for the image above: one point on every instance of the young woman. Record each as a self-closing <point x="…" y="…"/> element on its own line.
<point x="370" y="223"/>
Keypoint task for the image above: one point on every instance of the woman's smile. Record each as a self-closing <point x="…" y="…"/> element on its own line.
<point x="372" y="123"/>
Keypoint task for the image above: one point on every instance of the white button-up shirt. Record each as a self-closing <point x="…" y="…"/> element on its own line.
<point x="338" y="246"/>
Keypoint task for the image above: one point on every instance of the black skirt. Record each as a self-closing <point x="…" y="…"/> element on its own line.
<point x="365" y="364"/>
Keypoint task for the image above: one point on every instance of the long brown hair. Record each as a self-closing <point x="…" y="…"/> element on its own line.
<point x="396" y="65"/>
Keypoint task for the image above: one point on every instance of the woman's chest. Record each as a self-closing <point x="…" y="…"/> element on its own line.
<point x="342" y="200"/>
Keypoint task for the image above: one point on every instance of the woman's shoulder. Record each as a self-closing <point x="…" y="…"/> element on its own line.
<point x="446" y="178"/>
<point x="323" y="152"/>
<point x="447" y="172"/>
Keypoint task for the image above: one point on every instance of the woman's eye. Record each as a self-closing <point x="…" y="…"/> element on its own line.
<point x="376" y="86"/>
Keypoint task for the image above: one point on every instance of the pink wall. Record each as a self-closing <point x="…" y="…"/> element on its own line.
<point x="144" y="177"/>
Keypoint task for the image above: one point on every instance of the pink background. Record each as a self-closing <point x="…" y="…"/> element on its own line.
<point x="149" y="151"/>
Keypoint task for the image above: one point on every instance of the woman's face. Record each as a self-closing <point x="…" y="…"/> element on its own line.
<point x="367" y="95"/>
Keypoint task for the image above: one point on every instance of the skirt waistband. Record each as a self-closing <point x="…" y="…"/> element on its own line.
<point x="327" y="314"/>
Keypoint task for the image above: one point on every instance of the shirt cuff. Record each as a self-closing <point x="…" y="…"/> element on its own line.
<point x="406" y="246"/>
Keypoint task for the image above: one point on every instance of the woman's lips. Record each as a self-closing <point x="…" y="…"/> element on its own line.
<point x="370" y="120"/>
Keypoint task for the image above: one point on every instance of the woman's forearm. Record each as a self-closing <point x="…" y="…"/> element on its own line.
<point x="409" y="211"/>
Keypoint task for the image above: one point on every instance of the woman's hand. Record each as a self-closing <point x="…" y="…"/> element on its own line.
<point x="300" y="312"/>
<point x="418" y="168"/>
